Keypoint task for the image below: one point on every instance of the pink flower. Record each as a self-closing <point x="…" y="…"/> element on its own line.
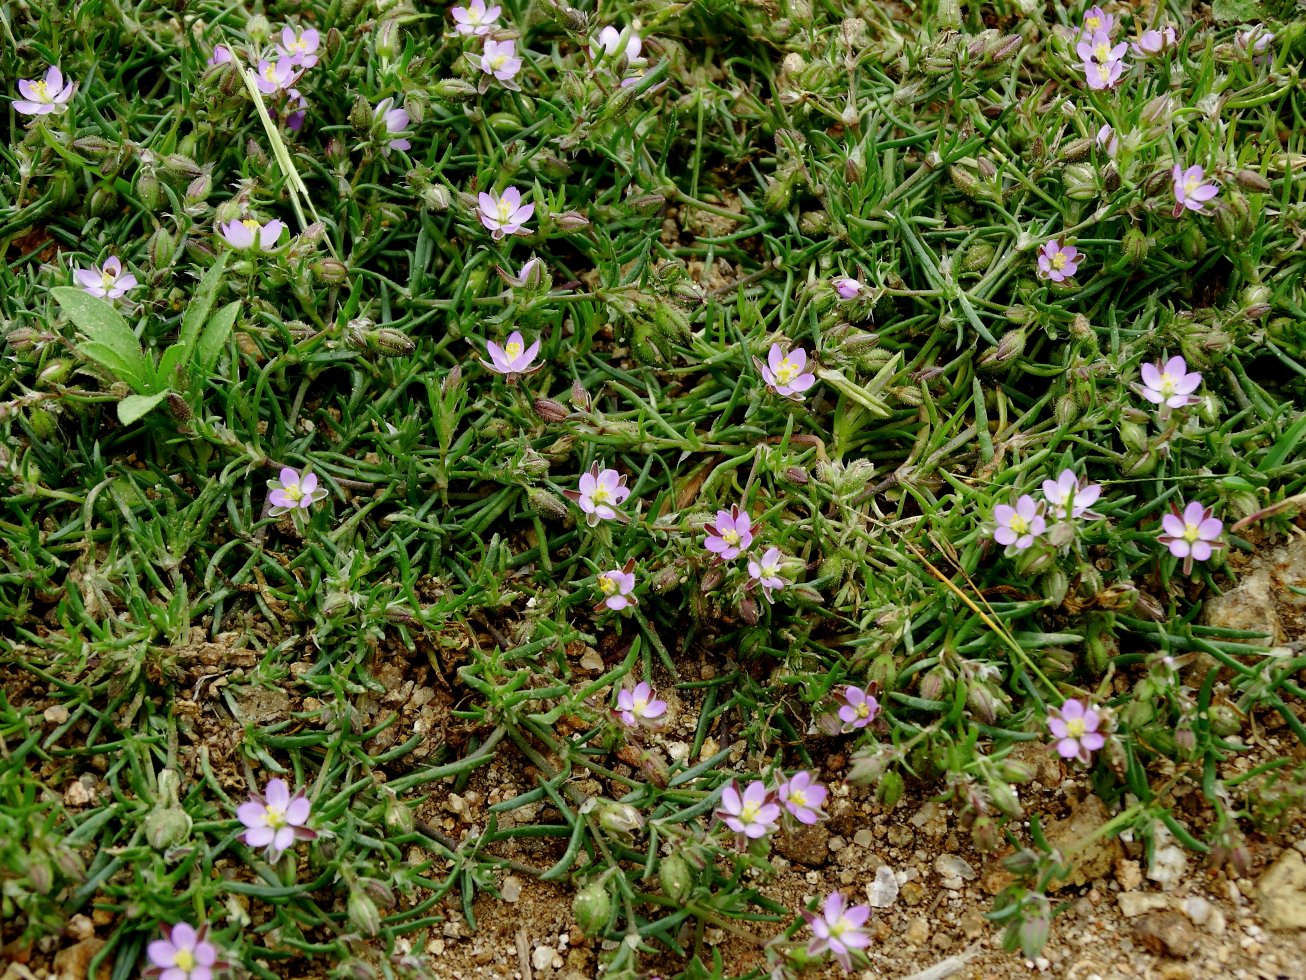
<point x="1070" y="496"/>
<point x="847" y="287"/>
<point x="299" y="48"/>
<point x="500" y="60"/>
<point x="608" y="43"/>
<point x="839" y="929"/>
<point x="273" y="76"/>
<point x="751" y="814"/>
<point x="1170" y="384"/>
<point x="802" y="796"/>
<point x="732" y="533"/>
<point x="600" y="493"/>
<point x="1108" y="140"/>
<point x="783" y="371"/>
<point x="275" y="820"/>
<point x="184" y="953"/>
<point x="297" y="110"/>
<point x="1103" y="74"/>
<point x="396" y="121"/>
<point x="44" y="96"/>
<point x="1154" y="42"/>
<point x="1058" y="262"/>
<point x="1191" y="189"/>
<point x="640" y="707"/>
<point x="1191" y="534"/>
<point x="221" y="55"/>
<point x="249" y="234"/>
<point x="1096" y="48"/>
<point x="1018" y="526"/>
<point x="107" y="281"/>
<point x="859" y="708"/>
<point x="1074" y="726"/>
<point x="1256" y="40"/>
<point x="530" y="276"/>
<point x="504" y="214"/>
<point x="1096" y="20"/>
<point x="476" y="18"/>
<point x="617" y="586"/>
<point x="766" y="572"/>
<point x="294" y="491"/>
<point x="514" y="358"/>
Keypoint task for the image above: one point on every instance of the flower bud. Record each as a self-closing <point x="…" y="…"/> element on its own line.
<point x="592" y="908"/>
<point x="161" y="248"/>
<point x="388" y="41"/>
<point x="620" y="819"/>
<point x="676" y="878"/>
<point x="399" y="818"/>
<point x="258" y="29"/>
<point x="361" y="117"/>
<point x="24" y="338"/>
<point x="550" y="410"/>
<point x="985" y="834"/>
<point x="55" y="372"/>
<point x="1079" y="181"/>
<point x="546" y="504"/>
<point x="965" y="181"/>
<point x="256" y="153"/>
<point x="1011" y="345"/>
<point x="1076" y="150"/>
<point x="166" y="826"/>
<point x="1005" y="799"/>
<point x="148" y="189"/>
<point x="570" y="222"/>
<point x="178" y="406"/>
<point x="937" y="683"/>
<point x="1252" y="181"/>
<point x="1033" y="933"/>
<point x="1135" y="246"/>
<point x="363" y="913"/>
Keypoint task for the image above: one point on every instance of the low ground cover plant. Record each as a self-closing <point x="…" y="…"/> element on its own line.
<point x="815" y="380"/>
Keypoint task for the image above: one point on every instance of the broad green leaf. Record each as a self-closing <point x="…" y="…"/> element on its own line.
<point x="173" y="356"/>
<point x="134" y="407"/>
<point x="104" y="325"/>
<point x="110" y="359"/>
<point x="214" y="337"/>
<point x="1237" y="11"/>
<point x="201" y="304"/>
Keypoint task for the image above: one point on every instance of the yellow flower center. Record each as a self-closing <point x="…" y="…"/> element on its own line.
<point x="837" y="929"/>
<point x="1102" y="51"/>
<point x="1075" y="728"/>
<point x="641" y="705"/>
<point x="863" y="710"/>
<point x="797" y="797"/>
<point x="1059" y="260"/>
<point x="107" y="278"/>
<point x="1191" y="533"/>
<point x="1166" y="386"/>
<point x="1104" y="73"/>
<point x="608" y="585"/>
<point x="250" y="223"/>
<point x="276" y="817"/>
<point x="299" y="44"/>
<point x="730" y="536"/>
<point x="1019" y="524"/>
<point x="42" y="91"/>
<point x="600" y="494"/>
<point x="270" y="72"/>
<point x="184" y="959"/>
<point x="786" y="372"/>
<point x="512" y="349"/>
<point x="497" y="60"/>
<point x="505" y="211"/>
<point x="292" y="491"/>
<point x="750" y="811"/>
<point x="1191" y="184"/>
<point x="1092" y="23"/>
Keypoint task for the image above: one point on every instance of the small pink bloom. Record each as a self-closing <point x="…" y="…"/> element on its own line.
<point x="273" y="76"/>
<point x="514" y="358"/>
<point x="396" y="121"/>
<point x="530" y="276"/>
<point x="296" y="110"/>
<point x="1058" y="262"/>
<point x="1170" y="384"/>
<point x="859" y="708"/>
<point x="504" y="214"/>
<point x="766" y="572"/>
<point x="184" y="953"/>
<point x="731" y="534"/>
<point x="802" y="796"/>
<point x="249" y="234"/>
<point x="600" y="493"/>
<point x="1070" y="496"/>
<point x="1191" y="534"/>
<point x="1103" y="74"/>
<point x="1191" y="189"/>
<point x="839" y="929"/>
<point x="1154" y="42"/>
<point x="640" y="706"/>
<point x="1256" y="40"/>
<point x="784" y="371"/>
<point x="1074" y="726"/>
<point x="608" y="43"/>
<point x="107" y="281"/>
<point x="847" y="287"/>
<point x="221" y="55"/>
<point x="617" y="586"/>
<point x="751" y="814"/>
<point x="44" y="96"/>
<point x="299" y="48"/>
<point x="1097" y="21"/>
<point x="1108" y="140"/>
<point x="476" y="18"/>
<point x="294" y="491"/>
<point x="275" y="819"/>
<point x="1097" y="48"/>
<point x="500" y="60"/>
<point x="1018" y="527"/>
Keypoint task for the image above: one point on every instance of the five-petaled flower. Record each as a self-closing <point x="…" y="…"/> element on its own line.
<point x="607" y="46"/>
<point x="784" y="371"/>
<point x="731" y="534"/>
<point x="43" y="96"/>
<point x="1191" y="533"/>
<point x="751" y="814"/>
<point x="1154" y="42"/>
<point x="839" y="929"/>
<point x="601" y="491"/>
<point x="1169" y="384"/>
<point x="1018" y="526"/>
<point x="514" y="358"/>
<point x="476" y="18"/>
<point x="107" y="281"/>
<point x="1058" y="262"/>
<point x="299" y="48"/>
<point x="395" y="119"/>
<point x="617" y="586"/>
<point x="273" y="76"/>
<point x="293" y="491"/>
<point x="249" y="234"/>
<point x="500" y="60"/>
<point x="504" y="214"/>
<point x="1103" y="74"/>
<point x="184" y="953"/>
<point x="221" y="55"/>
<point x="847" y="287"/>
<point x="765" y="572"/>
<point x="1071" y="496"/>
<point x="1074" y="726"/>
<point x="1191" y="188"/>
<point x="802" y="796"/>
<point x="275" y="819"/>
<point x="1095" y="20"/>
<point x="640" y="706"/>
<point x="858" y="709"/>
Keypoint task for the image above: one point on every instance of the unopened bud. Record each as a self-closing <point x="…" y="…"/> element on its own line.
<point x="436" y="198"/>
<point x="1011" y="345"/>
<point x="363" y="913"/>
<point x="676" y="878"/>
<point x="1252" y="181"/>
<point x="592" y="908"/>
<point x="550" y="410"/>
<point x="1080" y="181"/>
<point x="398" y="817"/>
<point x="148" y="189"/>
<point x="179" y="407"/>
<point x="570" y="222"/>
<point x="256" y="153"/>
<point x="1135" y="246"/>
<point x="646" y="205"/>
<point x="986" y="834"/>
<point x="388" y="41"/>
<point x="1076" y="150"/>
<point x="258" y="29"/>
<point x="621" y="819"/>
<point x="161" y="248"/>
<point x="24" y="338"/>
<point x="330" y="271"/>
<point x="546" y="504"/>
<point x="455" y="90"/>
<point x="580" y="397"/>
<point x="965" y="181"/>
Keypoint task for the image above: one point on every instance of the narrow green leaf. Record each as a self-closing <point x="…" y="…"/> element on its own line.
<point x="133" y="407"/>
<point x="173" y="356"/>
<point x="201" y="305"/>
<point x="102" y="324"/>
<point x="214" y="337"/>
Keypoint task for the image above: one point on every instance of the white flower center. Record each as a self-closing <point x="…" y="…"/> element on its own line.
<point x="1104" y="73"/>
<point x="786" y="372"/>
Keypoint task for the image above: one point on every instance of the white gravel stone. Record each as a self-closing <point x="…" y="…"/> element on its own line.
<point x="883" y="891"/>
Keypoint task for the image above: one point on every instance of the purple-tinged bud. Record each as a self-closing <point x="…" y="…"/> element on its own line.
<point x="452" y="382"/>
<point x="570" y="222"/>
<point x="179" y="407"/>
<point x="333" y="42"/>
<point x="330" y="270"/>
<point x="1252" y="181"/>
<point x="1076" y="150"/>
<point x="1011" y="345"/>
<point x="70" y="863"/>
<point x="937" y="683"/>
<point x="256" y="153"/>
<point x="620" y="819"/>
<point x="550" y="410"/>
<point x="1033" y="932"/>
<point x="455" y="90"/>
<point x="178" y="165"/>
<point x="986" y="835"/>
<point x="26" y="338"/>
<point x="1158" y="110"/>
<point x="363" y="913"/>
<point x="1256" y="301"/>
